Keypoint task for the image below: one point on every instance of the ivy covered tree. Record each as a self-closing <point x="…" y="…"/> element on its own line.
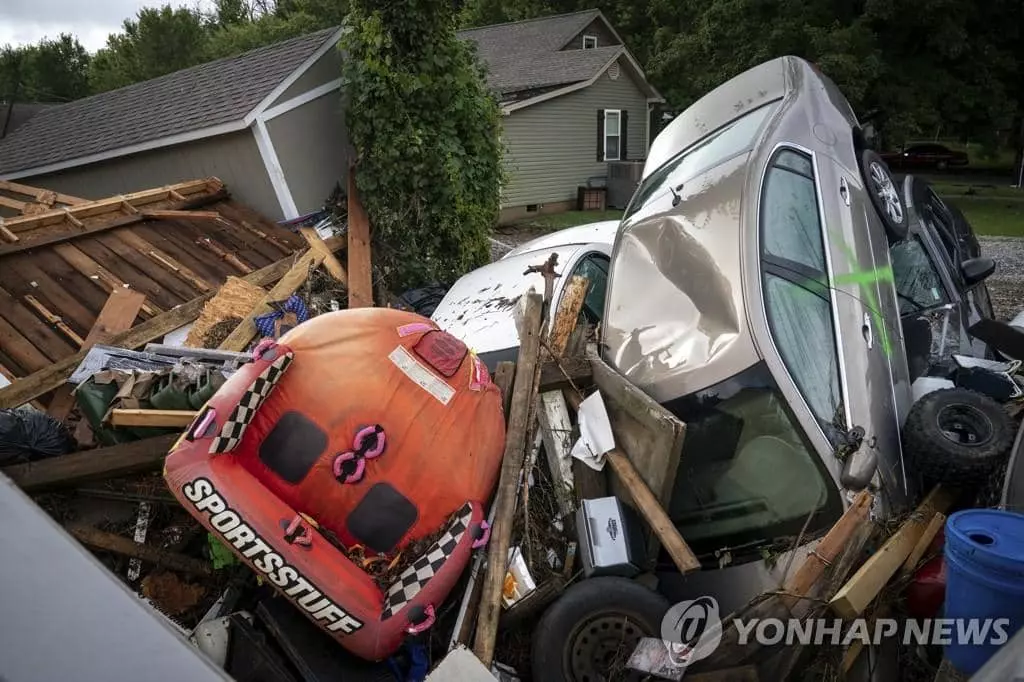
<point x="426" y="132"/>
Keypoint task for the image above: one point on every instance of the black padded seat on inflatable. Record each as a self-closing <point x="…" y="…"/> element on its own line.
<point x="293" y="446"/>
<point x="381" y="518"/>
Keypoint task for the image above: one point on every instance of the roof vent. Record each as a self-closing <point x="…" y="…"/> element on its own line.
<point x="613" y="71"/>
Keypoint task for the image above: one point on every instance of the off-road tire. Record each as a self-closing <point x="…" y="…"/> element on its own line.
<point x="878" y="181"/>
<point x="937" y="456"/>
<point x="616" y="603"/>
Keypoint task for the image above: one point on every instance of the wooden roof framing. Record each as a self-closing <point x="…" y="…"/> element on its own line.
<point x="58" y="273"/>
<point x="30" y="200"/>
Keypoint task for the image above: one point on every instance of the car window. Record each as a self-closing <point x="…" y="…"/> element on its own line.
<point x="721" y="145"/>
<point x="595" y="268"/>
<point x="918" y="285"/>
<point x="802" y="327"/>
<point x="797" y="300"/>
<point x="747" y="472"/>
<point x="792" y="229"/>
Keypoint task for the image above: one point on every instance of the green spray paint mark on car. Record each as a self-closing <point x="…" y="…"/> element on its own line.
<point x="867" y="280"/>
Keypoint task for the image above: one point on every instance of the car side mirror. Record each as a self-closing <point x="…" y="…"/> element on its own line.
<point x="977" y="270"/>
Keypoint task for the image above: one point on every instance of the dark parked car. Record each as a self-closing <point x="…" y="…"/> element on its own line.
<point x="928" y="155"/>
<point x="940" y="278"/>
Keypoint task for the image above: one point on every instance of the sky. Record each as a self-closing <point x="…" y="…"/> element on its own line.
<point x="23" y="22"/>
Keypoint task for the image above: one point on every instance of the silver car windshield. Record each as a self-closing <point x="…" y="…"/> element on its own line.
<point x="734" y="138"/>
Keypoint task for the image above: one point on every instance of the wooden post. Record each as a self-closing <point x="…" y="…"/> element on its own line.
<point x="99" y="539"/>
<point x="333" y="265"/>
<point x="360" y="274"/>
<point x="651" y="509"/>
<point x="118" y="314"/>
<point x="523" y="396"/>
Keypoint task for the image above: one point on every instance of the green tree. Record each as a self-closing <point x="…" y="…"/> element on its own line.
<point x="156" y="42"/>
<point x="427" y="137"/>
<point x="49" y="71"/>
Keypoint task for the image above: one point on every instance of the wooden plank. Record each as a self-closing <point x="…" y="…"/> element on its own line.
<point x="57" y="233"/>
<point x="644" y="430"/>
<point x="174" y="289"/>
<point x="12" y="203"/>
<point x="566" y="372"/>
<point x="555" y="430"/>
<point x="97" y="274"/>
<point x="518" y="427"/>
<point x="117" y="460"/>
<point x="133" y="271"/>
<point x="45" y="380"/>
<point x="110" y="542"/>
<point x="225" y="255"/>
<point x="54" y="319"/>
<point x="134" y="240"/>
<point x="21" y="350"/>
<point x="6" y="234"/>
<point x="333" y="265"/>
<point x="172" y="214"/>
<point x="860" y="590"/>
<point x="360" y="274"/>
<point x="117" y="315"/>
<point x="239" y="339"/>
<point x="504" y="374"/>
<point x="652" y="511"/>
<point x="25" y="280"/>
<point x="154" y="418"/>
<point x="42" y="334"/>
<point x="923" y="543"/>
<point x="38" y="192"/>
<point x="568" y="315"/>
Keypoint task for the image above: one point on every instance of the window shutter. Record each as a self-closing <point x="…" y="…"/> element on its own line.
<point x="624" y="135"/>
<point x="600" y="134"/>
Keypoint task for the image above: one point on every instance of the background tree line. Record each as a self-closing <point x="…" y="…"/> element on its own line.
<point x="949" y="68"/>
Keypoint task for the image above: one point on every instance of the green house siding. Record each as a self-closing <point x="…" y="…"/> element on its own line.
<point x="551" y="147"/>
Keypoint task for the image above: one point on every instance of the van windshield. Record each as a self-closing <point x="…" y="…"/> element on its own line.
<point x="747" y="472"/>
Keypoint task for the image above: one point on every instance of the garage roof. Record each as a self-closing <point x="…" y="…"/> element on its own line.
<point x="208" y="97"/>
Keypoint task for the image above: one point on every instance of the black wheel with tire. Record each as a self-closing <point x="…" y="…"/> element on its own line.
<point x="885" y="195"/>
<point x="589" y="633"/>
<point x="957" y="436"/>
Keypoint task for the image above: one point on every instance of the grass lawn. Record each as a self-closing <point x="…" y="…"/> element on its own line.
<point x="995" y="216"/>
<point x="559" y="221"/>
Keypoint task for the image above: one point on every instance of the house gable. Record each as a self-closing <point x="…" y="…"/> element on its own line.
<point x="598" y="28"/>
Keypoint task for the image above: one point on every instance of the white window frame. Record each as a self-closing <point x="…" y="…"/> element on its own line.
<point x="589" y="39"/>
<point x="618" y="133"/>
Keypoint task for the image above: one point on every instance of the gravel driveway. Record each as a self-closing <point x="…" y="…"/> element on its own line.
<point x="1006" y="286"/>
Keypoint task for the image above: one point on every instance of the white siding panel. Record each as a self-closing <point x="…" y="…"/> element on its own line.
<point x="551" y="147"/>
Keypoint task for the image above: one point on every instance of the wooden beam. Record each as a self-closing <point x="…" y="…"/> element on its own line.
<point x="153" y="418"/>
<point x="37" y="192"/>
<point x="171" y="214"/>
<point x="7" y="235"/>
<point x="568" y="315"/>
<point x="504" y="374"/>
<point x="225" y="255"/>
<point x="360" y="274"/>
<point x="238" y="340"/>
<point x="110" y="542"/>
<point x="518" y="427"/>
<point x="333" y="265"/>
<point x="52" y="318"/>
<point x="652" y="511"/>
<point x="555" y="431"/>
<point x="860" y="590"/>
<point x="45" y="380"/>
<point x="565" y="373"/>
<point x="117" y="460"/>
<point x="12" y="203"/>
<point x="118" y="314"/>
<point x="140" y="244"/>
<point x="57" y="234"/>
<point x="97" y="274"/>
<point x="925" y="541"/>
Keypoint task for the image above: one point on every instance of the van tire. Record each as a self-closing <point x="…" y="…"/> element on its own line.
<point x="618" y="604"/>
<point x="957" y="437"/>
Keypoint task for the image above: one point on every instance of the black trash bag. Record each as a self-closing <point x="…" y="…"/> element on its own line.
<point x="28" y="435"/>
<point x="424" y="300"/>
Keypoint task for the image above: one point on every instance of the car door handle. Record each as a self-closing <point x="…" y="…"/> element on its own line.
<point x="844" y="191"/>
<point x="868" y="332"/>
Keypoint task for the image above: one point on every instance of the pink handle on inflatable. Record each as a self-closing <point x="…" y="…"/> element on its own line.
<point x="291" y="531"/>
<point x="262" y="347"/>
<point x="204" y="423"/>
<point x="482" y="540"/>
<point x="417" y="628"/>
<point x="348" y="457"/>
<point x="365" y="433"/>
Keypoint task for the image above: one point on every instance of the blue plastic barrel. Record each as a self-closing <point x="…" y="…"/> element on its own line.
<point x="984" y="579"/>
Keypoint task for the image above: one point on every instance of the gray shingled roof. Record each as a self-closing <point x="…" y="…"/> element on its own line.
<point x="528" y="55"/>
<point x="217" y="92"/>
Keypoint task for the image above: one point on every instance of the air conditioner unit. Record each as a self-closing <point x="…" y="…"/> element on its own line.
<point x="623" y="179"/>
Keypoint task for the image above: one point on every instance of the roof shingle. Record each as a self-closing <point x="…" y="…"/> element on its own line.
<point x="206" y="95"/>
